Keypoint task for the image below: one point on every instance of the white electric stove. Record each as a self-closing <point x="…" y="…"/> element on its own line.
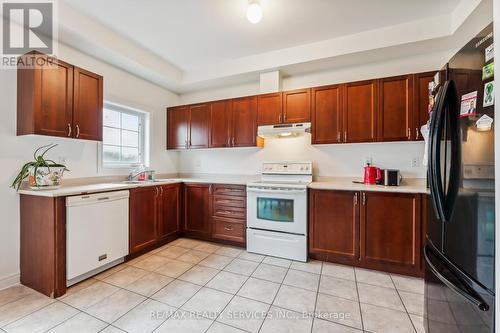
<point x="277" y="210"/>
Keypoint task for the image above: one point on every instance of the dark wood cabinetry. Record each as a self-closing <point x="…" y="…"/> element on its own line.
<point x="59" y="99"/>
<point x="229" y="213"/>
<point x="374" y="230"/>
<point x="421" y="101"/>
<point x="360" y="111"/>
<point x="327" y="111"/>
<point x="390" y="231"/>
<point x="197" y="210"/>
<point x="244" y="122"/>
<point x="154" y="215"/>
<point x="143" y="207"/>
<point x="269" y="109"/>
<point x="188" y="126"/>
<point x="169" y="219"/>
<point x="297" y="106"/>
<point x="221" y="124"/>
<point x="395" y="112"/>
<point x="334" y="233"/>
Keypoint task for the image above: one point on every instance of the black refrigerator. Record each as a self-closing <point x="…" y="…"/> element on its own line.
<point x="460" y="244"/>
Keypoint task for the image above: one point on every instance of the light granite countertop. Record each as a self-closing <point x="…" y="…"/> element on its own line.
<point x="107" y="184"/>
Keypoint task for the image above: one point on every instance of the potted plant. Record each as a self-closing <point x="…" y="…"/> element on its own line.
<point x="42" y="173"/>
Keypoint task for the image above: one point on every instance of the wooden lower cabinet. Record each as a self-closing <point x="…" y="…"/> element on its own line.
<point x="229" y="213"/>
<point x="376" y="230"/>
<point x="154" y="215"/>
<point x="334" y="225"/>
<point x="143" y="210"/>
<point x="390" y="233"/>
<point x="197" y="210"/>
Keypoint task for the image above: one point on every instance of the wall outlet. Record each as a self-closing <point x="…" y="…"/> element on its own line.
<point x="415" y="162"/>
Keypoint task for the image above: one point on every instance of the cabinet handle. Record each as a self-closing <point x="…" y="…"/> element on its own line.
<point x="69" y="129"/>
<point x="284" y="116"/>
<point x="77" y="131"/>
<point x="345" y="136"/>
<point x="355" y="199"/>
<point x="156" y="190"/>
<point x="279" y="118"/>
<point x="409" y="133"/>
<point x="228" y="228"/>
<point x="161" y="191"/>
<point x="364" y="198"/>
<point x="210" y="189"/>
<point x="339" y="136"/>
<point x="233" y="141"/>
<point x="186" y="143"/>
<point x="416" y="133"/>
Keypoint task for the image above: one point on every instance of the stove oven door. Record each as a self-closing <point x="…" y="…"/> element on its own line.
<point x="283" y="210"/>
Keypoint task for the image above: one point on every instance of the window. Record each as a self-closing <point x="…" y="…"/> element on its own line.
<point x="124" y="136"/>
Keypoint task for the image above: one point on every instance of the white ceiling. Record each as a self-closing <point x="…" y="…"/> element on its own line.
<point x="203" y="40"/>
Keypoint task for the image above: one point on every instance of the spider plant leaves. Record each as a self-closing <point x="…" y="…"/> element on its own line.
<point x="39" y="162"/>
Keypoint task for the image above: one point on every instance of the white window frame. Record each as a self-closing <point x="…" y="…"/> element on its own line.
<point x="144" y="134"/>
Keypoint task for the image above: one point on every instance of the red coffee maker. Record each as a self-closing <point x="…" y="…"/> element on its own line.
<point x="372" y="175"/>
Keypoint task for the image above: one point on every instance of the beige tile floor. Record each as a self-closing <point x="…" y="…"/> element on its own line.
<point x="194" y="286"/>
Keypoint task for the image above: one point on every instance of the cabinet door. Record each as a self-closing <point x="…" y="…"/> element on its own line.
<point x="244" y="124"/>
<point x="395" y="112"/>
<point x="390" y="236"/>
<point x="197" y="210"/>
<point x="220" y="124"/>
<point x="360" y="111"/>
<point x="53" y="91"/>
<point x="334" y="233"/>
<point x="177" y="127"/>
<point x="269" y="109"/>
<point x="421" y="101"/>
<point x="326" y="117"/>
<point x="142" y="219"/>
<point x="297" y="106"/>
<point x="87" y="110"/>
<point x="199" y="125"/>
<point x="169" y="211"/>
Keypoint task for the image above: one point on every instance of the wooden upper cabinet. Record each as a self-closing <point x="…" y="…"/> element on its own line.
<point x="297" y="106"/>
<point x="177" y="127"/>
<point x="421" y="101"/>
<point x="360" y="111"/>
<point x="391" y="238"/>
<point x="395" y="112"/>
<point x="45" y="99"/>
<point x="57" y="99"/>
<point x="169" y="211"/>
<point x="334" y="233"/>
<point x="142" y="217"/>
<point x="220" y="124"/>
<point x="88" y="103"/>
<point x="269" y="109"/>
<point x="197" y="210"/>
<point x="326" y="115"/>
<point x="244" y="122"/>
<point x="199" y="125"/>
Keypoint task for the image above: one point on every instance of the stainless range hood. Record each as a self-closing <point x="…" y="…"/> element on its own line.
<point x="283" y="130"/>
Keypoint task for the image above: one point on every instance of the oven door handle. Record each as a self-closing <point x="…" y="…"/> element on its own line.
<point x="276" y="191"/>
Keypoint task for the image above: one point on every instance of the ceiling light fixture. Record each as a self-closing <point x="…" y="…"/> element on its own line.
<point x="254" y="11"/>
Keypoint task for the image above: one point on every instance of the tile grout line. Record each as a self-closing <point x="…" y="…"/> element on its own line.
<point x="359" y="300"/>
<point x="317" y="296"/>
<point x="404" y="305"/>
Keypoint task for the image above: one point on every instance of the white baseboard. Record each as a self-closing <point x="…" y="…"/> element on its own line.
<point x="9" y="281"/>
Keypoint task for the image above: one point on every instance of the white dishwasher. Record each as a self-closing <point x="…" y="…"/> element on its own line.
<point x="96" y="233"/>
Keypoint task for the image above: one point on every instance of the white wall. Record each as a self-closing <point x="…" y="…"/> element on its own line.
<point x="81" y="156"/>
<point x="329" y="160"/>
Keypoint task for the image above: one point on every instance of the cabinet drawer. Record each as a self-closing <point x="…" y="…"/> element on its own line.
<point x="232" y="190"/>
<point x="229" y="230"/>
<point x="230" y="212"/>
<point x="231" y="201"/>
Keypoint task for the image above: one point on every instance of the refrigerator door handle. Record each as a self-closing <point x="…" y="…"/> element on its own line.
<point x="456" y="147"/>
<point x="464" y="290"/>
<point x="435" y="180"/>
